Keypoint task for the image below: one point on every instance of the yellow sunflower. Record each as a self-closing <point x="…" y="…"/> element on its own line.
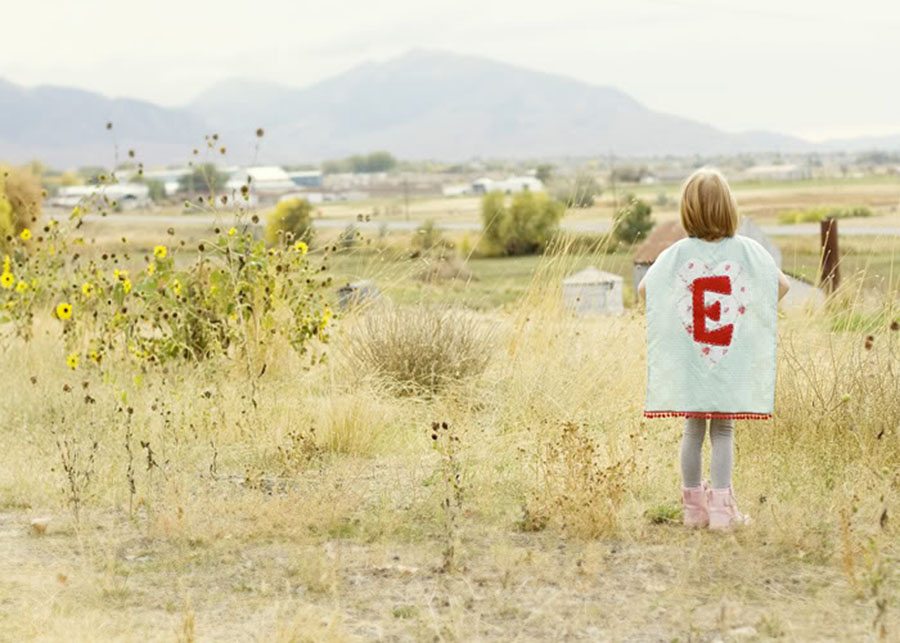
<point x="301" y="247"/>
<point x="72" y="361"/>
<point x="232" y="231"/>
<point x="25" y="235"/>
<point x="126" y="285"/>
<point x="151" y="269"/>
<point x="87" y="288"/>
<point x="176" y="288"/>
<point x="7" y="280"/>
<point x="21" y="287"/>
<point x="160" y="252"/>
<point x="64" y="311"/>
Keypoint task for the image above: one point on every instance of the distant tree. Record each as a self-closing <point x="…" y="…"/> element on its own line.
<point x="544" y="172"/>
<point x="203" y="178"/>
<point x="634" y="220"/>
<point x="291" y="221"/>
<point x="629" y="174"/>
<point x="524" y="227"/>
<point x="157" y="190"/>
<point x="377" y="162"/>
<point x="361" y="164"/>
<point x="579" y="192"/>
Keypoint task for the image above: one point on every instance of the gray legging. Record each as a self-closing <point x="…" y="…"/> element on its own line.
<point x="721" y="435"/>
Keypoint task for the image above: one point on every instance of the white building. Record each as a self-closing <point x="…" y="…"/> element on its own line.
<point x="593" y="292"/>
<point x="121" y="196"/>
<point x="264" y="180"/>
<point x="512" y="185"/>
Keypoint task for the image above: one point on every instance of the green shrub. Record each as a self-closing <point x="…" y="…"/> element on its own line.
<point x="579" y="192"/>
<point x="429" y="238"/>
<point x="814" y="215"/>
<point x="634" y="221"/>
<point x="204" y="178"/>
<point x="291" y="221"/>
<point x="523" y="227"/>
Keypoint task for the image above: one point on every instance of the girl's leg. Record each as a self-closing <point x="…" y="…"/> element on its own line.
<point x="692" y="452"/>
<point x="721" y="434"/>
<point x="723" y="511"/>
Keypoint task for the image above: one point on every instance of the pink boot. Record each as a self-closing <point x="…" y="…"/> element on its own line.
<point x="723" y="511"/>
<point x="694" y="500"/>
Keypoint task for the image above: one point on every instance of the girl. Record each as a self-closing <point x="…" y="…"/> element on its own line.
<point x="711" y="315"/>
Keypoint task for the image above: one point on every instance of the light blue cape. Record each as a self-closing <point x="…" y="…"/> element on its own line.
<point x="711" y="330"/>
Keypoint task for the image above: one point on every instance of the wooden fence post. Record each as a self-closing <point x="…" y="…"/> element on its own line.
<point x="830" y="277"/>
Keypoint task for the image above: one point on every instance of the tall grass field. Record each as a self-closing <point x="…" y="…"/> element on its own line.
<point x="409" y="471"/>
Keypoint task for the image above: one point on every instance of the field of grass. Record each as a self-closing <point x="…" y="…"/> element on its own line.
<point x="528" y="501"/>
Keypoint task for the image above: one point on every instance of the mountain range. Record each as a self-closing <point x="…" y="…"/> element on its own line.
<point x="424" y="104"/>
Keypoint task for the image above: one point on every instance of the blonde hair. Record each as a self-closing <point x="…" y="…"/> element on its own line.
<point x="708" y="208"/>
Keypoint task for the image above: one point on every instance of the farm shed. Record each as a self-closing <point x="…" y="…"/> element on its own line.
<point x="264" y="180"/>
<point x="593" y="291"/>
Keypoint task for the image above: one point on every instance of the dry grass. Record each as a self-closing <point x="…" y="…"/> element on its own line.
<point x="418" y="350"/>
<point x="320" y="512"/>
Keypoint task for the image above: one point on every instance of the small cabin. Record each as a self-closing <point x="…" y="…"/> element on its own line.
<point x="593" y="292"/>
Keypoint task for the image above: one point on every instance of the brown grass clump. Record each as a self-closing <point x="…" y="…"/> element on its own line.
<point x="444" y="269"/>
<point x="419" y="349"/>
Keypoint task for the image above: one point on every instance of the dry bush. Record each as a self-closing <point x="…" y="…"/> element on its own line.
<point x="420" y="349"/>
<point x="20" y="200"/>
<point x="578" y="488"/>
<point x="444" y="269"/>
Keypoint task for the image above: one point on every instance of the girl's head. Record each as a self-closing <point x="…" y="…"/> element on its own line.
<point x="708" y="209"/>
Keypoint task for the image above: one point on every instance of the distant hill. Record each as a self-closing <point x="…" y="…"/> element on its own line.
<point x="432" y="104"/>
<point x="424" y="104"/>
<point x="67" y="127"/>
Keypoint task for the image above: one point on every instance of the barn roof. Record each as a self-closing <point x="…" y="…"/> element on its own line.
<point x="590" y="275"/>
<point x="661" y="237"/>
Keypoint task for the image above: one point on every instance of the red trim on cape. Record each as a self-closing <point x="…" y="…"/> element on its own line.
<point x="707" y="415"/>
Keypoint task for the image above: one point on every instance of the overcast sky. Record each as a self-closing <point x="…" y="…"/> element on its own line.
<point x="815" y="68"/>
